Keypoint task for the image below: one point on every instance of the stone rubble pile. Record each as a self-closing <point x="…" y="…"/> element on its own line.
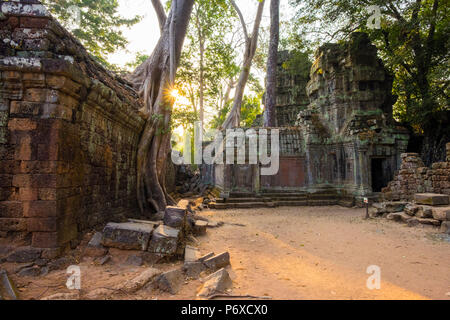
<point x="414" y="177"/>
<point x="426" y="208"/>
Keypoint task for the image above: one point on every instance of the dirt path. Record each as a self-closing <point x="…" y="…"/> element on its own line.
<point x="324" y="252"/>
<point x="293" y="253"/>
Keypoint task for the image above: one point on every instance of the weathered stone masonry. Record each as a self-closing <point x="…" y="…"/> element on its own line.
<point x="414" y="177"/>
<point x="68" y="132"/>
<point x="344" y="140"/>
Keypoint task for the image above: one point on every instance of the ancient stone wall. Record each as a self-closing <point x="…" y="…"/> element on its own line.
<point x="414" y="177"/>
<point x="345" y="140"/>
<point x="69" y="130"/>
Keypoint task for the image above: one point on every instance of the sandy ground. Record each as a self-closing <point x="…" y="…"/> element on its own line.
<point x="295" y="253"/>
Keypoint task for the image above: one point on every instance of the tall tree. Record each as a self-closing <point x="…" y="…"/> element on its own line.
<point x="208" y="58"/>
<point x="155" y="80"/>
<point x="272" y="62"/>
<point x="251" y="43"/>
<point x="97" y="24"/>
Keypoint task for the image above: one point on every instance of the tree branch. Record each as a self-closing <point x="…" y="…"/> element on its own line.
<point x="241" y="18"/>
<point x="160" y="12"/>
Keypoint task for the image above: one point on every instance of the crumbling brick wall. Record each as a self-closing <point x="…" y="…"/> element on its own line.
<point x="69" y="131"/>
<point x="414" y="177"/>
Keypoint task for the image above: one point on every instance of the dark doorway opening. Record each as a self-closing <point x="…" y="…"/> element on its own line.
<point x="379" y="180"/>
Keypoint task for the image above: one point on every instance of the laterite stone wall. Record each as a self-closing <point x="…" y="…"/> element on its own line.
<point x="69" y="131"/>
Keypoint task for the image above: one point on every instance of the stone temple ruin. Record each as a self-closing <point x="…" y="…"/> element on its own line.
<point x="69" y="131"/>
<point x="343" y="144"/>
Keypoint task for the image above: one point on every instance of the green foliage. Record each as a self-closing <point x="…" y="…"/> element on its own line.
<point x="100" y="25"/>
<point x="139" y="59"/>
<point x="413" y="42"/>
<point x="251" y="108"/>
<point x="210" y="21"/>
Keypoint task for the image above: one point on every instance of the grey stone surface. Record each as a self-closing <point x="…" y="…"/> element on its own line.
<point x="432" y="199"/>
<point x="127" y="236"/>
<point x="164" y="240"/>
<point x="134" y="260"/>
<point x="217" y="262"/>
<point x="30" y="272"/>
<point x="445" y="227"/>
<point x="191" y="254"/>
<point x="442" y="214"/>
<point x="170" y="281"/>
<point x="424" y="212"/>
<point x="218" y="282"/>
<point x="200" y="227"/>
<point x="399" y="217"/>
<point x="175" y="217"/>
<point x="194" y="269"/>
<point x="95" y="247"/>
<point x="24" y="254"/>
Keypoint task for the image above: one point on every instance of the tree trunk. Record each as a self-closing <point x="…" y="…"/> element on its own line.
<point x="234" y="118"/>
<point x="154" y="80"/>
<point x="272" y="63"/>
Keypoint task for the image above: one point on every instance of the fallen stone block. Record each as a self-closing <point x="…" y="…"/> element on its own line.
<point x="41" y="262"/>
<point x="191" y="254"/>
<point x="445" y="227"/>
<point x="61" y="263"/>
<point x="394" y="207"/>
<point x="8" y="290"/>
<point x="30" y="272"/>
<point x="152" y="258"/>
<point x="217" y="262"/>
<point x="21" y="266"/>
<point x="170" y="281"/>
<point x="399" y="217"/>
<point x="95" y="247"/>
<point x="193" y="270"/>
<point x="24" y="254"/>
<point x="140" y="281"/>
<point x="175" y="217"/>
<point x="375" y="212"/>
<point x="218" y="282"/>
<point x="442" y="214"/>
<point x="102" y="261"/>
<point x="413" y="222"/>
<point x="206" y="257"/>
<point x="411" y="209"/>
<point x="164" y="240"/>
<point x="200" y="227"/>
<point x="432" y="199"/>
<point x="134" y="260"/>
<point x="424" y="212"/>
<point x="127" y="236"/>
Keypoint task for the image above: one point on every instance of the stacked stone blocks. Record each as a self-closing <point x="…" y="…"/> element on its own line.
<point x="68" y="132"/>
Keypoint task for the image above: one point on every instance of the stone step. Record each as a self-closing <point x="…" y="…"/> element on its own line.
<point x="292" y="203"/>
<point x="282" y="194"/>
<point x="432" y="199"/>
<point x="322" y="202"/>
<point x="243" y="200"/>
<point x="320" y="196"/>
<point x="241" y="195"/>
<point x="248" y="205"/>
<point x="297" y="198"/>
